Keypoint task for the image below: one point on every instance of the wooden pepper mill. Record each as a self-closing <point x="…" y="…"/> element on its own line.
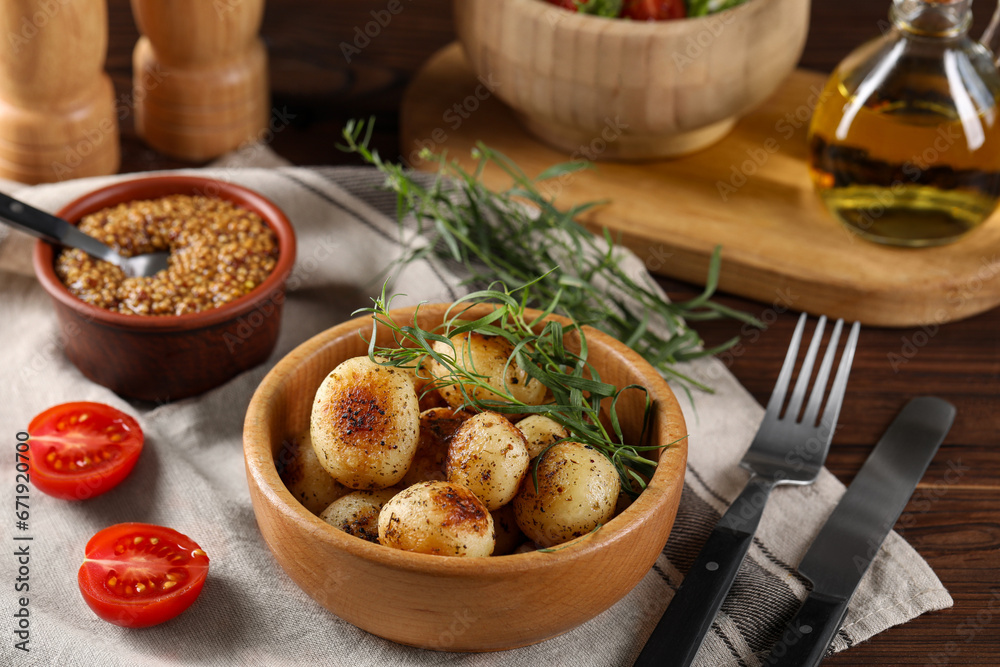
<point x="199" y="76"/>
<point x="57" y="106"/>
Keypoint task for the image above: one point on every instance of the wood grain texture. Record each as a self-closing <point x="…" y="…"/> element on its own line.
<point x="750" y="193"/>
<point x="378" y="588"/>
<point x="200" y="76"/>
<point x="671" y="87"/>
<point x="57" y="117"/>
<point x="312" y="80"/>
<point x="953" y="519"/>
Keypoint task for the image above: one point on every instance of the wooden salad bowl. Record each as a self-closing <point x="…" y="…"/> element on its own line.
<point x="449" y="603"/>
<point x="602" y="88"/>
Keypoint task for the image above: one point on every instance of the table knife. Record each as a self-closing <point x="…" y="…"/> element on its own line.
<point x="849" y="540"/>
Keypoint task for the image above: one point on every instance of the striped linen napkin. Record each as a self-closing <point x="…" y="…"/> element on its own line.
<point x="191" y="478"/>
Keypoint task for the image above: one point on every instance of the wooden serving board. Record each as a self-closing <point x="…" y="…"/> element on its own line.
<point x="750" y="193"/>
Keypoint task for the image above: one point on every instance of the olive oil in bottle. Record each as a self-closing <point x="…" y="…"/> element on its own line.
<point x="904" y="145"/>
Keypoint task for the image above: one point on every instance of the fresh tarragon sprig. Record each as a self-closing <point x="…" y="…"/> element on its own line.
<point x="519" y="237"/>
<point x="554" y="354"/>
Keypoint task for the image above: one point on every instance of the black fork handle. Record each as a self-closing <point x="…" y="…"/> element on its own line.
<point x="688" y="618"/>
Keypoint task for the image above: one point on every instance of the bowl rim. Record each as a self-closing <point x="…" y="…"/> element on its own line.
<point x="44" y="254"/>
<point x="269" y="484"/>
<point x="545" y="10"/>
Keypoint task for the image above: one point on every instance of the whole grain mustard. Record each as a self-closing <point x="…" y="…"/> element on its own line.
<point x="218" y="252"/>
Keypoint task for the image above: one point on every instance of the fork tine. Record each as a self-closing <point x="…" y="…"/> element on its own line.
<point x="819" y="387"/>
<point x="805" y="373"/>
<point x="785" y="375"/>
<point x="832" y="411"/>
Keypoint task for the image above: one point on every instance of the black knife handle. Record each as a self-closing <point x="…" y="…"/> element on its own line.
<point x="809" y="635"/>
<point x="679" y="634"/>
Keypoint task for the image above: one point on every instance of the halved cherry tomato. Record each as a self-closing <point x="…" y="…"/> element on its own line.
<point x="565" y="4"/>
<point x="137" y="574"/>
<point x="654" y="10"/>
<point x="80" y="450"/>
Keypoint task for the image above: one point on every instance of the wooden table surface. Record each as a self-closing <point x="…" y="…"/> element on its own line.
<point x="954" y="520"/>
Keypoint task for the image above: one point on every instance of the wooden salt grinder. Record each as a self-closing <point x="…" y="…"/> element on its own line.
<point x="200" y="76"/>
<point x="57" y="106"/>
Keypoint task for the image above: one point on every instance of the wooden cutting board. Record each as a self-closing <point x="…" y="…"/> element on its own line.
<point x="750" y="193"/>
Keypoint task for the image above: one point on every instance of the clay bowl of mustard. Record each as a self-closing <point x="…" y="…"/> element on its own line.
<point x="455" y="603"/>
<point x="168" y="357"/>
<point x="631" y="90"/>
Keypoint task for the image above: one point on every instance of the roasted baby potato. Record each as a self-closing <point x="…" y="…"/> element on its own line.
<point x="486" y="356"/>
<point x="442" y="518"/>
<point x="437" y="426"/>
<point x="526" y="548"/>
<point x="428" y="397"/>
<point x="539" y="432"/>
<point x="304" y="477"/>
<point x="365" y="423"/>
<point x="577" y="490"/>
<point x="357" y="512"/>
<point x="488" y="455"/>
<point x="508" y="536"/>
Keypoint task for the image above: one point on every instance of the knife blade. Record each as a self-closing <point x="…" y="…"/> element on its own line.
<point x="849" y="540"/>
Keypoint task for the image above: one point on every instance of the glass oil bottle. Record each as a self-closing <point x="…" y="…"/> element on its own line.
<point x="904" y="145"/>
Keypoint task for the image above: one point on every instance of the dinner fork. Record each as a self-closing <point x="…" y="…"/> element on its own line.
<point x="787" y="449"/>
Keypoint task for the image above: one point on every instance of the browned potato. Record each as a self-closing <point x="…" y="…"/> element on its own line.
<point x="577" y="490"/>
<point x="539" y="432"/>
<point x="365" y="423"/>
<point x="623" y="503"/>
<point x="487" y="356"/>
<point x="421" y="379"/>
<point x="624" y="499"/>
<point x="357" y="512"/>
<point x="440" y="518"/>
<point x="509" y="536"/>
<point x="432" y="398"/>
<point x="437" y="426"/>
<point x="526" y="548"/>
<point x="488" y="455"/>
<point x="304" y="477"/>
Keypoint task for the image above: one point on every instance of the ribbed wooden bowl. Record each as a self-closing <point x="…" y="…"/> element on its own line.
<point x="457" y="604"/>
<point x="603" y="88"/>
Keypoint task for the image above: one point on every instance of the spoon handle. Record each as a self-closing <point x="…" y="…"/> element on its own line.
<point x="49" y="228"/>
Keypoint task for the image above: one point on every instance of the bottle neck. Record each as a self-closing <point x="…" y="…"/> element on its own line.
<point x="932" y="18"/>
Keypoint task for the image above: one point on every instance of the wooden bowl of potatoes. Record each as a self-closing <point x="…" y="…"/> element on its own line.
<point x="464" y="576"/>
